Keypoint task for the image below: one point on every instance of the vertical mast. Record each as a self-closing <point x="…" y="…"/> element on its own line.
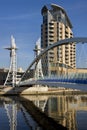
<point x="12" y="74"/>
<point x="38" y="66"/>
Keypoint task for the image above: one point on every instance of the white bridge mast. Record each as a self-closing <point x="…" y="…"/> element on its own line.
<point x="12" y="74"/>
<point x="38" y="66"/>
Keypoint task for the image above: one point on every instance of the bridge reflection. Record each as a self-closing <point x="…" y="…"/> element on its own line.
<point x="62" y="108"/>
<point x="17" y="115"/>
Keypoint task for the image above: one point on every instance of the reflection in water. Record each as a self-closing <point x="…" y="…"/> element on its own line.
<point x="64" y="109"/>
<point x="17" y="116"/>
<point x="11" y="110"/>
<point x="59" y="109"/>
<point x="68" y="110"/>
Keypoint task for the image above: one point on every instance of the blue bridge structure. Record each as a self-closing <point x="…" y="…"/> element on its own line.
<point x="73" y="78"/>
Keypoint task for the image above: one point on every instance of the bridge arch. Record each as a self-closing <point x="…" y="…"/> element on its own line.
<point x="61" y="42"/>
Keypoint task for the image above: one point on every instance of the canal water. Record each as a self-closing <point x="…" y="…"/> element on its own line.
<point x="44" y="112"/>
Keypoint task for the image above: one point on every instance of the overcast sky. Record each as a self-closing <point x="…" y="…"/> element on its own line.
<point x="22" y="19"/>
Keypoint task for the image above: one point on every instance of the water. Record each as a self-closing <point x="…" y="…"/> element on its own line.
<point x="27" y="113"/>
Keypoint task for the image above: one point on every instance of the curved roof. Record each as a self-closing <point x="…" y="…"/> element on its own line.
<point x="53" y="6"/>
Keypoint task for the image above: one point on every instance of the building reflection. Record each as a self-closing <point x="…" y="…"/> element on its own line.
<point x="63" y="109"/>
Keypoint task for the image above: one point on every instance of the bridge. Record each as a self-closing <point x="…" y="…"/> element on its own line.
<point x="67" y="76"/>
<point x="70" y="76"/>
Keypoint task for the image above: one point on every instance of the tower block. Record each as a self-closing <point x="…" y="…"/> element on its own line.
<point x="11" y="79"/>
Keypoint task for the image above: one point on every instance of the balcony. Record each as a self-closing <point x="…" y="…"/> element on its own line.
<point x="51" y="27"/>
<point x="66" y="35"/>
<point x="51" y="39"/>
<point x="66" y="59"/>
<point x="66" y="47"/>
<point x="51" y="34"/>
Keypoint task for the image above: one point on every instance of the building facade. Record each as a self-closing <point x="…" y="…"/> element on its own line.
<point x="56" y="26"/>
<point x="4" y="73"/>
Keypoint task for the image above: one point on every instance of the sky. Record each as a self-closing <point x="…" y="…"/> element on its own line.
<point x="22" y="19"/>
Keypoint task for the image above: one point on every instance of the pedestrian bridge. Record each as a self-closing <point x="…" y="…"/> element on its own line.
<point x="67" y="76"/>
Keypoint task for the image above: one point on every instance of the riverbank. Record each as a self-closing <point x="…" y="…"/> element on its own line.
<point x="26" y="91"/>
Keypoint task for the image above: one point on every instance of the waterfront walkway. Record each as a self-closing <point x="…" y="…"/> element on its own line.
<point x="26" y="91"/>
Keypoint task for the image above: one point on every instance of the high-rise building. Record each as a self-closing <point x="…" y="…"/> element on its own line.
<point x="56" y="26"/>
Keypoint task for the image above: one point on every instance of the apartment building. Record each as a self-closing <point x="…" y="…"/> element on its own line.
<point x="56" y="26"/>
